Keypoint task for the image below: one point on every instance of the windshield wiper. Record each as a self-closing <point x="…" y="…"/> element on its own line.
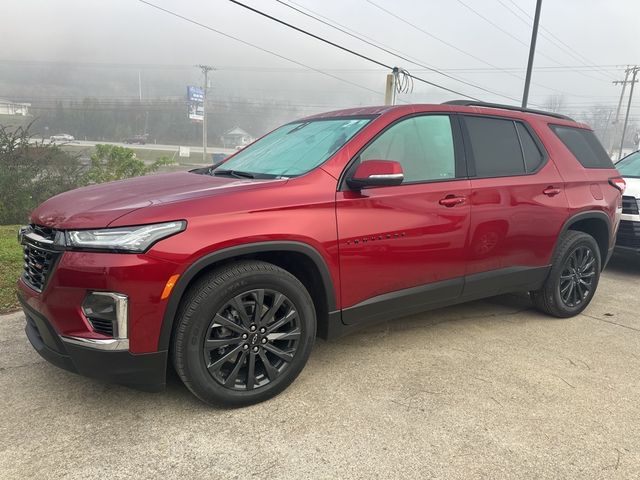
<point x="234" y="173"/>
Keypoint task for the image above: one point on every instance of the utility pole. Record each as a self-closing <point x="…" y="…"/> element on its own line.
<point x="634" y="73"/>
<point x="390" y="90"/>
<point x="624" y="87"/>
<point x="146" y="113"/>
<point x="624" y="84"/>
<point x="205" y="71"/>
<point x="532" y="51"/>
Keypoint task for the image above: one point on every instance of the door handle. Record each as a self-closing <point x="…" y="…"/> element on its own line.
<point x="452" y="200"/>
<point x="551" y="191"/>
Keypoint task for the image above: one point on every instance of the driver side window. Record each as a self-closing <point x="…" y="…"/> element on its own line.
<point x="422" y="145"/>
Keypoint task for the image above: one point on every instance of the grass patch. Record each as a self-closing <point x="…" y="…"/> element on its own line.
<point x="10" y="267"/>
<point x="147" y="155"/>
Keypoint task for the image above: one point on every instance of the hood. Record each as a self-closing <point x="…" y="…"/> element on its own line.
<point x="97" y="206"/>
<point x="633" y="187"/>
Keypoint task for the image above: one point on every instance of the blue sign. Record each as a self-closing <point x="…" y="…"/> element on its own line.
<point x="195" y="94"/>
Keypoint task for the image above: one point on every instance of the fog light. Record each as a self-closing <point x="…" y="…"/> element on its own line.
<point x="107" y="313"/>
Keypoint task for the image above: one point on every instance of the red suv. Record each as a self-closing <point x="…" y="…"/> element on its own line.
<point x="322" y="226"/>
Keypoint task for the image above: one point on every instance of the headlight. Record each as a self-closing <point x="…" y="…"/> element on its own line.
<point x="124" y="239"/>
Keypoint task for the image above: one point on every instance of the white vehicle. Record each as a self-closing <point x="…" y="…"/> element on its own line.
<point x="629" y="231"/>
<point x="61" y="137"/>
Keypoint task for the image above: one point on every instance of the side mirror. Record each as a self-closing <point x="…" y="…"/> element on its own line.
<point x="376" y="173"/>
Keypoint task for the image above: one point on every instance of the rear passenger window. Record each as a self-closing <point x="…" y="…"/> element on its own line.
<point x="532" y="156"/>
<point x="495" y="146"/>
<point x="584" y="145"/>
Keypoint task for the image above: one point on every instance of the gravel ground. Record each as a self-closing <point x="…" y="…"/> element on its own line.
<point x="490" y="389"/>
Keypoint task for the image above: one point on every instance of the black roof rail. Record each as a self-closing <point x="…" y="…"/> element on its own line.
<point x="472" y="103"/>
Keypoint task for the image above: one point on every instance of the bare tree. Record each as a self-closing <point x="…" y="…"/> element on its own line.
<point x="600" y="119"/>
<point x="555" y="103"/>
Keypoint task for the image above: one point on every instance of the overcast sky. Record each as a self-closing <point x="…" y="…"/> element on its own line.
<point x="597" y="37"/>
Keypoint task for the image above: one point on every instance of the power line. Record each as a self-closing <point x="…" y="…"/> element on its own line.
<point x="348" y="50"/>
<point x="585" y="59"/>
<point x="506" y="32"/>
<point x="564" y="47"/>
<point x="244" y="42"/>
<point x="464" y="52"/>
<point x="295" y="61"/>
<point x="143" y="66"/>
<point x="363" y="38"/>
<point x="429" y="34"/>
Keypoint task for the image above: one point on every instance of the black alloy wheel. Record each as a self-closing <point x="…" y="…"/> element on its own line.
<point x="576" y="279"/>
<point x="573" y="278"/>
<point x="244" y="332"/>
<point x="252" y="339"/>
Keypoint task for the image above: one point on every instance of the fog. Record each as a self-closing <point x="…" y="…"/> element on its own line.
<point x="67" y="50"/>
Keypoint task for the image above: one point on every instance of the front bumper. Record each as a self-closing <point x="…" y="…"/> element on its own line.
<point x="628" y="238"/>
<point x="146" y="371"/>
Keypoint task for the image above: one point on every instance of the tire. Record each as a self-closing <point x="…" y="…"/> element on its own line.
<point x="574" y="276"/>
<point x="215" y="343"/>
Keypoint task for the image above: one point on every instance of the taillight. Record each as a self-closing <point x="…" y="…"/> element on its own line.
<point x="619" y="183"/>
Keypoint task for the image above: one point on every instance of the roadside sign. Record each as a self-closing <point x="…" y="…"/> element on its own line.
<point x="195" y="94"/>
<point x="195" y="97"/>
<point x="184" y="152"/>
<point x="196" y="112"/>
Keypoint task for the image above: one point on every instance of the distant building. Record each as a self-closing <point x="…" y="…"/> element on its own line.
<point x="236" y="137"/>
<point x="7" y="107"/>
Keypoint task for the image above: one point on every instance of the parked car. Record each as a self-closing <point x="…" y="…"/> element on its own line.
<point x="323" y="226"/>
<point x="61" y="137"/>
<point x="628" y="239"/>
<point x="136" y="139"/>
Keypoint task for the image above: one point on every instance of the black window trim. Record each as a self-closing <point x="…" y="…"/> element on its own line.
<point x="458" y="152"/>
<point x="471" y="165"/>
<point x="524" y="158"/>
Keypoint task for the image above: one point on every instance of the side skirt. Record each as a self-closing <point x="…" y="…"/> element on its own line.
<point x="441" y="294"/>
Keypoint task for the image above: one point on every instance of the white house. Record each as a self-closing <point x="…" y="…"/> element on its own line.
<point x="236" y="137"/>
<point x="7" y="107"/>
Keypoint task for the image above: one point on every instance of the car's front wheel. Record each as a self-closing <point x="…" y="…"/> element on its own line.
<point x="573" y="278"/>
<point x="244" y="333"/>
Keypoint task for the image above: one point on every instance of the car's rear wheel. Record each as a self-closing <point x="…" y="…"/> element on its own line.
<point x="573" y="278"/>
<point x="244" y="333"/>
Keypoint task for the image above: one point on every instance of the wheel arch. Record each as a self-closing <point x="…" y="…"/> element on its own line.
<point x="300" y="259"/>
<point x="595" y="223"/>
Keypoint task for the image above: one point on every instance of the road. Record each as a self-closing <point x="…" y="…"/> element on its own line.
<point x="148" y="146"/>
<point x="486" y="390"/>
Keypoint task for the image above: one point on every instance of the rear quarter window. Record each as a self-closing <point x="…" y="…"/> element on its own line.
<point x="584" y="145"/>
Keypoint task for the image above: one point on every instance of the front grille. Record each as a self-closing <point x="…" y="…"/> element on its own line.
<point x="630" y="205"/>
<point x="628" y="234"/>
<point x="102" y="326"/>
<point x="45" y="232"/>
<point x="39" y="261"/>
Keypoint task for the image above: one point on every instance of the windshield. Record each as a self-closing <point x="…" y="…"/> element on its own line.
<point x="293" y="149"/>
<point x="630" y="166"/>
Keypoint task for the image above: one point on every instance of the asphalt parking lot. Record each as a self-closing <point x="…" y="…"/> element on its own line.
<point x="490" y="389"/>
